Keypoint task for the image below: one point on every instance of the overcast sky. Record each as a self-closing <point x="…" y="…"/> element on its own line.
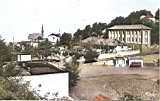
<point x="18" y="18"/>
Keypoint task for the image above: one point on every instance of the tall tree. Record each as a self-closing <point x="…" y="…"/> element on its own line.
<point x="65" y="39"/>
<point x="78" y="35"/>
<point x="73" y="70"/>
<point x="90" y="30"/>
<point x="5" y="53"/>
<point x="134" y="17"/>
<point x="44" y="48"/>
<point x="117" y="21"/>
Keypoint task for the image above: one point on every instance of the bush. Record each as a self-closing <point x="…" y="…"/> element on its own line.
<point x="73" y="70"/>
<point x="90" y="56"/>
<point x="129" y="97"/>
<point x="12" y="89"/>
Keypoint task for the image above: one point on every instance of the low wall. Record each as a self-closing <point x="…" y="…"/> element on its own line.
<point x="122" y="53"/>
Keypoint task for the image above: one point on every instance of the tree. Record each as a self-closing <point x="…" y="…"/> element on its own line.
<point x="12" y="88"/>
<point x="97" y="29"/>
<point x="157" y="14"/>
<point x="5" y="53"/>
<point x="77" y="35"/>
<point x="88" y="31"/>
<point x="90" y="56"/>
<point x="154" y="31"/>
<point x="117" y="21"/>
<point x="65" y="39"/>
<point x="134" y="17"/>
<point x="44" y="48"/>
<point x="73" y="70"/>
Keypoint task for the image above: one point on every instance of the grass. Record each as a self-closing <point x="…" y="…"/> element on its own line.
<point x="150" y="58"/>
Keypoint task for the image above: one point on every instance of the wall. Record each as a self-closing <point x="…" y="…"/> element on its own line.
<point x="49" y="83"/>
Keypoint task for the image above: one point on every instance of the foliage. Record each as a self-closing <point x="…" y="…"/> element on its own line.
<point x="12" y="89"/>
<point x="65" y="39"/>
<point x="7" y="70"/>
<point x="90" y="56"/>
<point x="97" y="29"/>
<point x="44" y="48"/>
<point x="154" y="31"/>
<point x="73" y="70"/>
<point x="88" y="31"/>
<point x="129" y="97"/>
<point x="5" y="54"/>
<point x="117" y="21"/>
<point x="134" y="17"/>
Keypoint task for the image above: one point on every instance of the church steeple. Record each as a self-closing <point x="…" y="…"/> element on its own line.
<point x="42" y="31"/>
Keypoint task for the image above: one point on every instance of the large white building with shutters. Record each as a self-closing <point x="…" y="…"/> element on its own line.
<point x="135" y="34"/>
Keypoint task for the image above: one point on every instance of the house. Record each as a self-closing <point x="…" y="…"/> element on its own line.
<point x="135" y="62"/>
<point x="148" y="18"/>
<point x="134" y="34"/>
<point x="34" y="37"/>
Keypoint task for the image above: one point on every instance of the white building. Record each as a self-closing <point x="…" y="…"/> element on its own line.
<point x="136" y="34"/>
<point x="135" y="62"/>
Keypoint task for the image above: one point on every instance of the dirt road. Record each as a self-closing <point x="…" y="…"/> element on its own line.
<point x="114" y="82"/>
<point x="89" y="70"/>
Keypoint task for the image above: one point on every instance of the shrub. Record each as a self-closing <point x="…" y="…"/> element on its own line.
<point x="90" y="56"/>
<point x="73" y="70"/>
<point x="12" y="89"/>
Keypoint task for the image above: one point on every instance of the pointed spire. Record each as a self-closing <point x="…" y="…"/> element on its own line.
<point x="42" y="30"/>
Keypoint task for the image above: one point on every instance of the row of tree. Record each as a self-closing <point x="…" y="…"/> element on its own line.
<point x="100" y="29"/>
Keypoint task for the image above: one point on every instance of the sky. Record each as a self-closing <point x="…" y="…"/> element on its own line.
<point x="18" y="18"/>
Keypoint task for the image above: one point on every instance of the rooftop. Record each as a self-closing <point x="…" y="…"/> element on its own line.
<point x="34" y="36"/>
<point x="140" y="26"/>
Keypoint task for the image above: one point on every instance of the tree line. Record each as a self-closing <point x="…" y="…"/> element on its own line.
<point x="100" y="29"/>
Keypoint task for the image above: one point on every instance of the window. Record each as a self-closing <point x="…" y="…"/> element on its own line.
<point x="132" y="39"/>
<point x="146" y="39"/>
<point x="129" y="39"/>
<point x="136" y="39"/>
<point x="146" y="36"/>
